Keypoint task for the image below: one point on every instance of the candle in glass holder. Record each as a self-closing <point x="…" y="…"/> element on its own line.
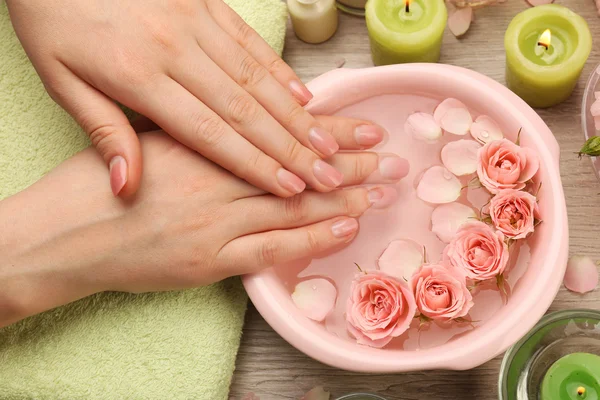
<point x="546" y="49"/>
<point x="574" y="377"/>
<point x="403" y="31"/>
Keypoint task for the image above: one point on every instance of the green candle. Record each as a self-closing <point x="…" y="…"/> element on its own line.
<point x="573" y="377"/>
<point x="546" y="49"/>
<point x="402" y="31"/>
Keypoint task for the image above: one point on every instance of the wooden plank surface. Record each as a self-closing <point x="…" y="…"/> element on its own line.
<point x="268" y="366"/>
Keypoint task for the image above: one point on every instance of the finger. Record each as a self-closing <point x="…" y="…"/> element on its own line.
<point x="265" y="213"/>
<point x="352" y="134"/>
<point x="254" y="252"/>
<point x="247" y="117"/>
<point x="107" y="126"/>
<point x="260" y="84"/>
<point x="370" y="168"/>
<point x="195" y="125"/>
<point x="255" y="45"/>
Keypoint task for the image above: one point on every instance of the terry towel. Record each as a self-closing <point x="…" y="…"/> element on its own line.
<point x="174" y="345"/>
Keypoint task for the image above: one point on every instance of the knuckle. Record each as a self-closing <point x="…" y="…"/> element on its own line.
<point x="102" y="136"/>
<point x="243" y="109"/>
<point x="244" y="32"/>
<point x="293" y="115"/>
<point x="293" y="151"/>
<point x="251" y="72"/>
<point x="360" y="168"/>
<point x="313" y="244"/>
<point x="276" y="65"/>
<point x="294" y="209"/>
<point x="268" y="252"/>
<point x="208" y="131"/>
<point x="252" y="166"/>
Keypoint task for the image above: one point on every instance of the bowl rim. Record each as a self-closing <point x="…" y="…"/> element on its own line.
<point x="588" y="94"/>
<point x="545" y="321"/>
<point x="265" y="291"/>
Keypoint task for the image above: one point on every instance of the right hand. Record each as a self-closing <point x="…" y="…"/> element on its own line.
<point x="196" y="69"/>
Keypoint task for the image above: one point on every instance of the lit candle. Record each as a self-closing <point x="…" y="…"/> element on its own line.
<point x="546" y="49"/>
<point x="314" y="21"/>
<point x="402" y="31"/>
<point x="574" y="377"/>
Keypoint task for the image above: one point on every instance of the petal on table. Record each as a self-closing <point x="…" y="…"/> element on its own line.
<point x="460" y="157"/>
<point x="581" y="275"/>
<point x="485" y="130"/>
<point x="447" y="218"/>
<point x="315" y="298"/>
<point x="317" y="393"/>
<point x="459" y="21"/>
<point x="438" y="186"/>
<point x="401" y="258"/>
<point x="422" y="126"/>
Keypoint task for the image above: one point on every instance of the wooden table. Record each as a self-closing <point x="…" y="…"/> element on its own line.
<point x="268" y="366"/>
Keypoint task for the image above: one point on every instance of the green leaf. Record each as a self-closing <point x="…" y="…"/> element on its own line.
<point x="591" y="147"/>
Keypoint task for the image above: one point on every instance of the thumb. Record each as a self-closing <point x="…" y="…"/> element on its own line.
<point x="108" y="128"/>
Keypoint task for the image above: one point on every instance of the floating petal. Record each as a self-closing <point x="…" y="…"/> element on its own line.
<point x="485" y="130"/>
<point x="422" y="126"/>
<point x="457" y="121"/>
<point x="443" y="108"/>
<point x="401" y="258"/>
<point x="597" y="123"/>
<point x="460" y="157"/>
<point x="438" y="186"/>
<point x="315" y="298"/>
<point x="459" y="20"/>
<point x="581" y="275"/>
<point x="595" y="108"/>
<point x="447" y="218"/>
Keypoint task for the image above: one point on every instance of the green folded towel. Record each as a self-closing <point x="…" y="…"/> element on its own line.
<point x="175" y="345"/>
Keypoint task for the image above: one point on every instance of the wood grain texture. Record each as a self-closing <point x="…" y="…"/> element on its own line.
<point x="268" y="366"/>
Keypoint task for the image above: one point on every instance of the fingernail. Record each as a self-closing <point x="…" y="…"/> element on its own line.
<point x="300" y="92"/>
<point x="118" y="174"/>
<point x="290" y="181"/>
<point x="323" y="141"/>
<point x="326" y="174"/>
<point x="344" y="227"/>
<point x="368" y="135"/>
<point x="393" y="167"/>
<point x="382" y="197"/>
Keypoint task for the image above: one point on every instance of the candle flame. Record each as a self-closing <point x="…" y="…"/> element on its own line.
<point x="407" y="5"/>
<point x="545" y="39"/>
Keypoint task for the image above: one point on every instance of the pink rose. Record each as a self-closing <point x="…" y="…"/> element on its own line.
<point x="441" y="292"/>
<point x="380" y="308"/>
<point x="478" y="250"/>
<point x="501" y="164"/>
<point x="513" y="213"/>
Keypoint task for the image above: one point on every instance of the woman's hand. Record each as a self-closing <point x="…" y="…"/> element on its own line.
<point x="196" y="69"/>
<point x="191" y="223"/>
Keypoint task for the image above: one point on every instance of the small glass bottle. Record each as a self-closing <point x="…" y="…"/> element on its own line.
<point x="314" y="21"/>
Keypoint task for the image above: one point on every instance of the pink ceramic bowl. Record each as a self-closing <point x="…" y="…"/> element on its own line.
<point x="386" y="94"/>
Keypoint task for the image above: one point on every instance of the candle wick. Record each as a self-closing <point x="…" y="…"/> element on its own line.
<point x="544" y="45"/>
<point x="407" y="6"/>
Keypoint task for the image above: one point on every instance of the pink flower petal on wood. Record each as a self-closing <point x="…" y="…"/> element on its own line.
<point x="401" y="258"/>
<point x="581" y="275"/>
<point x="438" y="186"/>
<point x="444" y="107"/>
<point x="459" y="20"/>
<point x="534" y="3"/>
<point x="422" y="126"/>
<point x="485" y="129"/>
<point x="317" y="393"/>
<point x="460" y="157"/>
<point x="447" y="218"/>
<point x="457" y="121"/>
<point x="315" y="298"/>
<point x="595" y="108"/>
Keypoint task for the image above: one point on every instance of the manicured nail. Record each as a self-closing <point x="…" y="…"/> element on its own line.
<point x="368" y="135"/>
<point x="382" y="197"/>
<point x="118" y="174"/>
<point x="392" y="167"/>
<point x="290" y="181"/>
<point x="344" y="227"/>
<point x="326" y="174"/>
<point x="300" y="92"/>
<point x="323" y="141"/>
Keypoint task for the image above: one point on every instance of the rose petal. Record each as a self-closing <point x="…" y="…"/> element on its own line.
<point x="597" y="123"/>
<point x="401" y="258"/>
<point x="581" y="275"/>
<point x="460" y="157"/>
<point x="447" y="218"/>
<point x="317" y="393"/>
<point x="422" y="126"/>
<point x="485" y="129"/>
<point x="438" y="186"/>
<point x="315" y="298"/>
<point x="459" y="21"/>
<point x="595" y="108"/>
<point x="534" y="3"/>
<point x="443" y="108"/>
<point x="457" y="121"/>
